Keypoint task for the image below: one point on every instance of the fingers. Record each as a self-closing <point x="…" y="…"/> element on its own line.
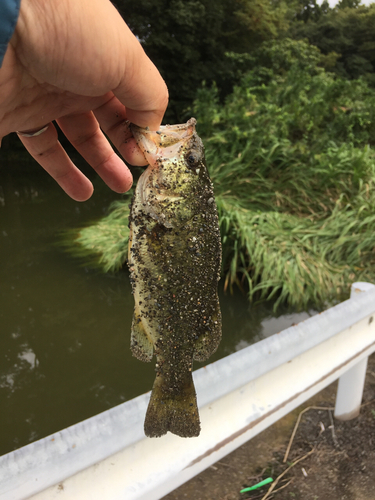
<point x="112" y="118"/>
<point x="84" y="133"/>
<point x="48" y="152"/>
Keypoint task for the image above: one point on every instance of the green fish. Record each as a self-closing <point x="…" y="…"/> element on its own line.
<point x="174" y="261"/>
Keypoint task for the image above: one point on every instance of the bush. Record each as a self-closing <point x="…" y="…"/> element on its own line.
<point x="289" y="153"/>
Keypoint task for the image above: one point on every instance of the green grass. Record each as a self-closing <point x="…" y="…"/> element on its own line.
<point x="104" y="243"/>
<point x="290" y="155"/>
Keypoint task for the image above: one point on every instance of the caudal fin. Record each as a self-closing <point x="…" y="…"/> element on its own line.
<point x="177" y="413"/>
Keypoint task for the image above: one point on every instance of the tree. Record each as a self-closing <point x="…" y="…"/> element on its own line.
<point x="347" y="31"/>
<point x="310" y="10"/>
<point x="188" y="40"/>
<point x="348" y="4"/>
<point x="184" y="39"/>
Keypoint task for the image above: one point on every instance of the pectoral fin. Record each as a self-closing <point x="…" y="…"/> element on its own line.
<point x="140" y="341"/>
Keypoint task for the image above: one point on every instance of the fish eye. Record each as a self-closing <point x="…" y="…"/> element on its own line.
<point x="192" y="159"/>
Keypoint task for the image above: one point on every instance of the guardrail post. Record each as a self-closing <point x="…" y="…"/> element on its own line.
<point x="352" y="382"/>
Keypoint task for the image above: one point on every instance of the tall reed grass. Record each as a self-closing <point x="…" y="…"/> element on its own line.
<point x="290" y="155"/>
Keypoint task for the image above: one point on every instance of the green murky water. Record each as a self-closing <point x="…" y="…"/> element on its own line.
<point x="64" y="328"/>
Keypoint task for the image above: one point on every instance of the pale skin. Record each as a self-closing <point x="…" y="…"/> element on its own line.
<point x="77" y="62"/>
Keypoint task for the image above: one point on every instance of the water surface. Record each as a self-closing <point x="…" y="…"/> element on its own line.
<point x="65" y="328"/>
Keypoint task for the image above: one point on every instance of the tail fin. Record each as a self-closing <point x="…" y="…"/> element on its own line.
<point x="177" y="413"/>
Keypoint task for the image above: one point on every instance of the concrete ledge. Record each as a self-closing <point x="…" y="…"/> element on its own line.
<point x="108" y="456"/>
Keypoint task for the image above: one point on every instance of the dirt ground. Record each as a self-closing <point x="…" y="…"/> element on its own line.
<point x="328" y="459"/>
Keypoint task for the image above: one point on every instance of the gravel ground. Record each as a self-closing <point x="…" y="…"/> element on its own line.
<point x="328" y="459"/>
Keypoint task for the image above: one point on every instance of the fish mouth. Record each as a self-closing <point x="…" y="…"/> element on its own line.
<point x="166" y="142"/>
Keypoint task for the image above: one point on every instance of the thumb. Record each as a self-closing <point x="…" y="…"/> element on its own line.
<point x="142" y="90"/>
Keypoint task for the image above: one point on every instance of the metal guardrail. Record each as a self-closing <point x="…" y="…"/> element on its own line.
<point x="108" y="456"/>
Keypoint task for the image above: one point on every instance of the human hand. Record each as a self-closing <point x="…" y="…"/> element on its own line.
<point x="77" y="62"/>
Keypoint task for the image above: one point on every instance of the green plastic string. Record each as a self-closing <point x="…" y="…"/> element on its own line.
<point x="258" y="485"/>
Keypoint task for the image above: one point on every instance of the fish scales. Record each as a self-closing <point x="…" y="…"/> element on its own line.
<point x="174" y="261"/>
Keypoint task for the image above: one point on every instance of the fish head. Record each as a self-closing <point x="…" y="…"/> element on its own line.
<point x="176" y="170"/>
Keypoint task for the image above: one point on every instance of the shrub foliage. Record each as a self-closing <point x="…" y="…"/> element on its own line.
<point x="290" y="155"/>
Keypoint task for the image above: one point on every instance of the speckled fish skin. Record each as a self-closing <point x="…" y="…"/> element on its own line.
<point x="174" y="260"/>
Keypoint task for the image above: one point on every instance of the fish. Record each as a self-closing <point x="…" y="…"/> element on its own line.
<point x="174" y="258"/>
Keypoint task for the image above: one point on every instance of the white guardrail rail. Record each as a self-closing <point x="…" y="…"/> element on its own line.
<point x="108" y="457"/>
